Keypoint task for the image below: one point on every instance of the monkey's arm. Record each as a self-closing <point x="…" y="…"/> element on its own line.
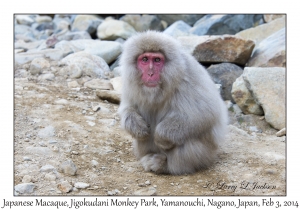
<point x="133" y="122"/>
<point x="175" y="130"/>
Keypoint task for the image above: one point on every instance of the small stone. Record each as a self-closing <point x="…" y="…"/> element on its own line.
<point x="146" y="191"/>
<point x="74" y="152"/>
<point x="25" y="188"/>
<point x="61" y="101"/>
<point x="27" y="159"/>
<point x="48" y="131"/>
<point x="282" y="132"/>
<point x="52" y="141"/>
<point x="81" y="185"/>
<point x="73" y="84"/>
<point x="96" y="108"/>
<point x="91" y="123"/>
<point x="47" y="168"/>
<point x="47" y="76"/>
<point x="65" y="186"/>
<point x="68" y="167"/>
<point x="111" y="96"/>
<point x="50" y="177"/>
<point x="113" y="192"/>
<point x="37" y="65"/>
<point x="26" y="179"/>
<point x="42" y="144"/>
<point x="94" y="163"/>
<point x="147" y="182"/>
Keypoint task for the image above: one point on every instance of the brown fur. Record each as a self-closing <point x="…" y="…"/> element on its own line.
<point x="179" y="124"/>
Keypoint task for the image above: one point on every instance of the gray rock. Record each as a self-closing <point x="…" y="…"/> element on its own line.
<point x="179" y="28"/>
<point x="266" y="56"/>
<point x="61" y="102"/>
<point x="94" y="163"/>
<point x="82" y="63"/>
<point x="73" y="84"/>
<point x="27" y="158"/>
<point x="113" y="192"/>
<point x="50" y="176"/>
<point x="68" y="167"/>
<point x="268" y="88"/>
<point x="145" y="191"/>
<point x="99" y="84"/>
<point x="224" y="24"/>
<point x="75" y="35"/>
<point x="143" y="22"/>
<point x="52" y="141"/>
<point x="20" y="44"/>
<point x="44" y="151"/>
<point x="244" y="99"/>
<point x="261" y="32"/>
<point x="26" y="179"/>
<point x="112" y="29"/>
<point x="65" y="186"/>
<point x="225" y="74"/>
<point x="47" y="168"/>
<point x="47" y="76"/>
<point x="46" y="132"/>
<point x="44" y="26"/>
<point x="24" y="19"/>
<point x="189" y="19"/>
<point x="87" y="23"/>
<point x="107" y="50"/>
<point x="81" y="185"/>
<point x="25" y="188"/>
<point x="53" y="54"/>
<point x="37" y="65"/>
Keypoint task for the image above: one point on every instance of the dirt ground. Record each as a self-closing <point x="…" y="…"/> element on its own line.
<point x="251" y="161"/>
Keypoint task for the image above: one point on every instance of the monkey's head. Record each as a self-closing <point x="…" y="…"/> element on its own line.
<point x="151" y="62"/>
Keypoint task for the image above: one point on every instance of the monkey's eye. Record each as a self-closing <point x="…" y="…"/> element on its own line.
<point x="145" y="59"/>
<point x="157" y="59"/>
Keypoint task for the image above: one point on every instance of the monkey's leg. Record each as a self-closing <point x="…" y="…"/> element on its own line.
<point x="156" y="162"/>
<point x="190" y="157"/>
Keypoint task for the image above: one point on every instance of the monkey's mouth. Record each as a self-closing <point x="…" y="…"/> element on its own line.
<point x="151" y="83"/>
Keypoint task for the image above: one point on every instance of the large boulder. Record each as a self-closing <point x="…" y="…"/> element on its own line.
<point x="143" y="22"/>
<point x="224" y="24"/>
<point x="226" y="48"/>
<point x="189" y="19"/>
<point x="270" y="52"/>
<point x="87" y="23"/>
<point x="225" y="74"/>
<point x="112" y="29"/>
<point x="259" y="33"/>
<point x="267" y="86"/>
<point x="244" y="99"/>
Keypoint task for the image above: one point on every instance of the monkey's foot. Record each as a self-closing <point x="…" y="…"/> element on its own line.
<point x="154" y="162"/>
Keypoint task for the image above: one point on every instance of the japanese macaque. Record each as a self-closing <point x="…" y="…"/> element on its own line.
<point x="170" y="105"/>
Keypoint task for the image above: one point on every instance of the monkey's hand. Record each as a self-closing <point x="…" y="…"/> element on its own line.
<point x="136" y="126"/>
<point x="167" y="134"/>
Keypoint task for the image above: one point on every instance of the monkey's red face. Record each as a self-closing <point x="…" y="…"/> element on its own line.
<point x="151" y="65"/>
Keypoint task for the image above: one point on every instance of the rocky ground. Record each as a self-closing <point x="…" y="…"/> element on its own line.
<point x="69" y="142"/>
<point x="67" y="135"/>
